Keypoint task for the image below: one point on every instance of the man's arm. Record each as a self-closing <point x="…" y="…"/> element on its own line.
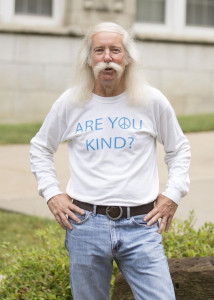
<point x="43" y="147"/>
<point x="177" y="159"/>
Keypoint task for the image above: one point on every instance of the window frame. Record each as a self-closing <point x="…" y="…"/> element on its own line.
<point x="18" y="11"/>
<point x="194" y="25"/>
<point x="8" y="15"/>
<point x="158" y="28"/>
<point x="202" y="32"/>
<point x="150" y="22"/>
<point x="175" y="27"/>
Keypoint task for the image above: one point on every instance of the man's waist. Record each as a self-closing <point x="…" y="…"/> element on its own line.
<point x="116" y="212"/>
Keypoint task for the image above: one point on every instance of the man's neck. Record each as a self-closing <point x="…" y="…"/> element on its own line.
<point x="108" y="90"/>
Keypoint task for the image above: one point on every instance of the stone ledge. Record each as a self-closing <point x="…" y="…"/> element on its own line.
<point x="77" y="31"/>
<point x="43" y="30"/>
<point x="192" y="279"/>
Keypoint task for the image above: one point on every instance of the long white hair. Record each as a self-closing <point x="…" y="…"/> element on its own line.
<point x="84" y="76"/>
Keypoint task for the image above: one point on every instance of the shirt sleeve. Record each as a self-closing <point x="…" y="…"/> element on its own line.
<point x="177" y="154"/>
<point x="42" y="149"/>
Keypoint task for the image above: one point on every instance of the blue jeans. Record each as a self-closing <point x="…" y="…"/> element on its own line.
<point x="96" y="241"/>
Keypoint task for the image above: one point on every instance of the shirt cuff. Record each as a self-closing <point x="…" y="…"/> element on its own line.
<point x="51" y="193"/>
<point x="173" y="195"/>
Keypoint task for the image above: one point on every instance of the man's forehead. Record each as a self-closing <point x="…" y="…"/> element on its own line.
<point x="104" y="37"/>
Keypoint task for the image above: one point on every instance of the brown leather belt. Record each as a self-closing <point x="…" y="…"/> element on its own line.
<point x="116" y="212"/>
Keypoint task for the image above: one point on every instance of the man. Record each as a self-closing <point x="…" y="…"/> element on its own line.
<point x="112" y="120"/>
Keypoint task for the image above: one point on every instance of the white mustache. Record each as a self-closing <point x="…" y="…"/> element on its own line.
<point x="102" y="66"/>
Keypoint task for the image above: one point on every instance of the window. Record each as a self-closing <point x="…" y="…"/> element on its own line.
<point x="151" y="11"/>
<point x="33" y="7"/>
<point x="33" y="13"/>
<point x="200" y="13"/>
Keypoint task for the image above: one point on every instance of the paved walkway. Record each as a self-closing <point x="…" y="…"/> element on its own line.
<point x="18" y="189"/>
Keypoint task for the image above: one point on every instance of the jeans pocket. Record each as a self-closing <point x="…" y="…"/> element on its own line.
<point x="139" y="221"/>
<point x="83" y="218"/>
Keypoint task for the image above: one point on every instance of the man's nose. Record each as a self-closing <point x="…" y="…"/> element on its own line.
<point x="107" y="56"/>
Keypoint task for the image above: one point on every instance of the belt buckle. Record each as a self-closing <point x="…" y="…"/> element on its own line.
<point x="114" y="218"/>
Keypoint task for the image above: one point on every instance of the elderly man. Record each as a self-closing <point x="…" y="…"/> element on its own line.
<point x="111" y="120"/>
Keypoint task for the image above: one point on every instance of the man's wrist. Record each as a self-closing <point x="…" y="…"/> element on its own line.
<point x="50" y="194"/>
<point x="173" y="195"/>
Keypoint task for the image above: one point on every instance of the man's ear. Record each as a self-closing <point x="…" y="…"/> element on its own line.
<point x="127" y="59"/>
<point x="89" y="60"/>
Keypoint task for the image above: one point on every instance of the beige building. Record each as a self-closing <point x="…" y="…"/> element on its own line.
<point x="39" y="40"/>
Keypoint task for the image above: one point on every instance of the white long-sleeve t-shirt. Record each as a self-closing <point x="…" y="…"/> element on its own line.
<point x="112" y="150"/>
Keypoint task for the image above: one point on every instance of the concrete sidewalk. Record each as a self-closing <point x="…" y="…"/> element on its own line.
<point x="18" y="188"/>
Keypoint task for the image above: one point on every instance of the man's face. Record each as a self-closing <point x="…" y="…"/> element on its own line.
<point x="107" y="47"/>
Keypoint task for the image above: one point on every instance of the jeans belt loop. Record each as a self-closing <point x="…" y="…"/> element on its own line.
<point x="128" y="213"/>
<point x="94" y="210"/>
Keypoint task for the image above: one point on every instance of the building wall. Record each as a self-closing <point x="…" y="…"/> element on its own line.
<point x="83" y="14"/>
<point x="36" y="69"/>
<point x="37" y="56"/>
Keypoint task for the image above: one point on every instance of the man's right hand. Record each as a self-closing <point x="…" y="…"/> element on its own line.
<point x="62" y="207"/>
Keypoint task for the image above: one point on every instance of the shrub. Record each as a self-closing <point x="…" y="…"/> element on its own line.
<point x="42" y="272"/>
<point x="183" y="240"/>
<point x="39" y="273"/>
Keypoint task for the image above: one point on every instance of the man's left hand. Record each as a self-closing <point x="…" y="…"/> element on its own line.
<point x="165" y="209"/>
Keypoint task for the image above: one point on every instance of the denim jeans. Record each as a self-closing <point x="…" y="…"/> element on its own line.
<point x="96" y="241"/>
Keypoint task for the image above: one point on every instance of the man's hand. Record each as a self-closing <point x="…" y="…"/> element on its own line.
<point x="164" y="209"/>
<point x="62" y="207"/>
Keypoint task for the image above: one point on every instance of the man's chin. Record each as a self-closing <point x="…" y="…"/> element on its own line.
<point x="108" y="76"/>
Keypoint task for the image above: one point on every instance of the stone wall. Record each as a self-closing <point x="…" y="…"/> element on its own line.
<point x="35" y="69"/>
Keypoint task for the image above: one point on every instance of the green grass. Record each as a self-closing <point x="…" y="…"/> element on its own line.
<point x="22" y="133"/>
<point x="197" y="123"/>
<point x="18" y="133"/>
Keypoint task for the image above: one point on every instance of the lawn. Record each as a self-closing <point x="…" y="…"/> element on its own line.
<point x="196" y="123"/>
<point x="18" y="133"/>
<point x="22" y="133"/>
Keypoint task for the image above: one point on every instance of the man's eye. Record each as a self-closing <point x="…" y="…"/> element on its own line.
<point x="115" y="50"/>
<point x="98" y="50"/>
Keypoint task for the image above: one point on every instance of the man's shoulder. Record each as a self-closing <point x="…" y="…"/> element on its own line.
<point x="65" y="96"/>
<point x="66" y="100"/>
<point x="156" y="98"/>
<point x="153" y="92"/>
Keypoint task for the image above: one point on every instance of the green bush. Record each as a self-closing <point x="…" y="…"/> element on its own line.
<point x="42" y="272"/>
<point x="183" y="240"/>
<point x="39" y="273"/>
<point x="19" y="230"/>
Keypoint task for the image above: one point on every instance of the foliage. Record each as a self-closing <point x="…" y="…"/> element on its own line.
<point x="18" y="230"/>
<point x="41" y="272"/>
<point x="183" y="240"/>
